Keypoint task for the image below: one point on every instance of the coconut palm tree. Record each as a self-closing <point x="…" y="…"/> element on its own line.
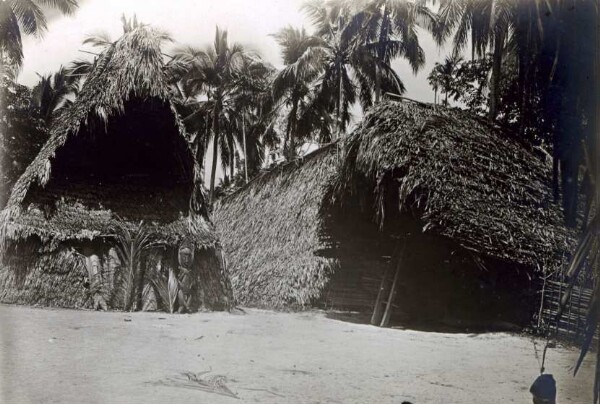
<point x="292" y="86"/>
<point x="52" y="93"/>
<point x="18" y="17"/>
<point x="255" y="111"/>
<point x="435" y="82"/>
<point x="390" y="31"/>
<point x="350" y="69"/>
<point x="210" y="73"/>
<point x="487" y="24"/>
<point x="443" y="74"/>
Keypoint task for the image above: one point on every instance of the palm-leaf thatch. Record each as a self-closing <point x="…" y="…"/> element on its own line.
<point x="117" y="156"/>
<point x="130" y="68"/>
<point x="271" y="230"/>
<point x="462" y="180"/>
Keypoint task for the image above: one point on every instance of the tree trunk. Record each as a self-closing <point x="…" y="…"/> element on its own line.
<point x="339" y="106"/>
<point x="383" y="38"/>
<point x="213" y="169"/>
<point x="286" y="140"/>
<point x="231" y="145"/>
<point x="290" y="147"/>
<point x="245" y="149"/>
<point x="377" y="84"/>
<point x="496" y="72"/>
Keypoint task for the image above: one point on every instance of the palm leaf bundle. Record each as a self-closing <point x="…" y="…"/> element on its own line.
<point x="167" y="288"/>
<point x="131" y="245"/>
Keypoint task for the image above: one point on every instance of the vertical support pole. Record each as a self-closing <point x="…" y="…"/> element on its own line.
<point x="376" y="317"/>
<point x="388" y="308"/>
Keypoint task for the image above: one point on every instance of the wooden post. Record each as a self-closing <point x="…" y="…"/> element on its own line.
<point x="388" y="307"/>
<point x="376" y="317"/>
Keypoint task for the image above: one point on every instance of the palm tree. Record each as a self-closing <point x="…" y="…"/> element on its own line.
<point x="292" y="85"/>
<point x="390" y="31"/>
<point x="350" y="69"/>
<point x="435" y="82"/>
<point x="210" y="73"/>
<point x="486" y="23"/>
<point x="51" y="94"/>
<point x="443" y="74"/>
<point x="19" y="16"/>
<point x="255" y="110"/>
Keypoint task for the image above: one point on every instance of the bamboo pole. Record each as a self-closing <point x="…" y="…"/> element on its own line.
<point x="376" y="317"/>
<point x="388" y="307"/>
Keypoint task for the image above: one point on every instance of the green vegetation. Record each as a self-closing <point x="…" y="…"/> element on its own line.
<point x="19" y="17"/>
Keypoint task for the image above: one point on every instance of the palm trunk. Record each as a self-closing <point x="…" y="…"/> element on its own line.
<point x="213" y="169"/>
<point x="231" y="145"/>
<point x="496" y="72"/>
<point x="290" y="148"/>
<point x="377" y="84"/>
<point x="245" y="150"/>
<point x="339" y="106"/>
<point x="383" y="38"/>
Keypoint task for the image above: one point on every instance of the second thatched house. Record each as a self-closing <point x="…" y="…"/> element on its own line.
<point x="423" y="215"/>
<point x="111" y="212"/>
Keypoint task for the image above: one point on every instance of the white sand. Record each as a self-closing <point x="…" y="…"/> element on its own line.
<point x="66" y="356"/>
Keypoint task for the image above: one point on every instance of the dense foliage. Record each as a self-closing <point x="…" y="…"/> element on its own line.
<point x="534" y="72"/>
<point x="22" y="133"/>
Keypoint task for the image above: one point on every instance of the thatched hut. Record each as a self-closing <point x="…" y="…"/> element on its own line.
<point x="116" y="175"/>
<point x="446" y="218"/>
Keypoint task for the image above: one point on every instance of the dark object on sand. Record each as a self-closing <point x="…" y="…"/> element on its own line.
<point x="543" y="390"/>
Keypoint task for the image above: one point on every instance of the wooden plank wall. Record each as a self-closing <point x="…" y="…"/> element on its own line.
<point x="571" y="326"/>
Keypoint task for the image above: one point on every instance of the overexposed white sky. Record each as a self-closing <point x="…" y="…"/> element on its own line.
<point x="189" y="22"/>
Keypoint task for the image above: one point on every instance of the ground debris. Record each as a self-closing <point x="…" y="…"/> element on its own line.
<point x="199" y="381"/>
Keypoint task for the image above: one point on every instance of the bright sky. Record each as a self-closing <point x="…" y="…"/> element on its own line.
<point x="191" y="22"/>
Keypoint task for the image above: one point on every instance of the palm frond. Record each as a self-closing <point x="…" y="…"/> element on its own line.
<point x="99" y="39"/>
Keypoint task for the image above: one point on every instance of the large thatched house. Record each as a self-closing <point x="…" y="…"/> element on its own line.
<point x="447" y="215"/>
<point x="116" y="175"/>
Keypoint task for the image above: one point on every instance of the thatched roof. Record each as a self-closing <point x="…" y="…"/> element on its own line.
<point x="131" y="68"/>
<point x="270" y="232"/>
<point x="461" y="178"/>
<point x="467" y="180"/>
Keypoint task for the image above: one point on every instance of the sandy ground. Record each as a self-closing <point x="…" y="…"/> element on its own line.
<point x="66" y="356"/>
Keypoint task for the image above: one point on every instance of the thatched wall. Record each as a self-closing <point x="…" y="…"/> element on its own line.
<point x="458" y="179"/>
<point x="270" y="232"/>
<point x="56" y="279"/>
